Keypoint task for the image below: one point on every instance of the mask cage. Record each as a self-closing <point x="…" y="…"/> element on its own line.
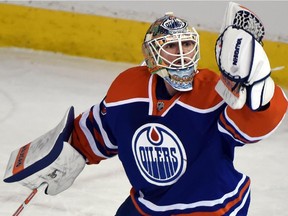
<point x="155" y="50"/>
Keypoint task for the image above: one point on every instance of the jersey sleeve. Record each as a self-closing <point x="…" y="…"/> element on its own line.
<point x="247" y="126"/>
<point x="91" y="135"/>
<point x="94" y="133"/>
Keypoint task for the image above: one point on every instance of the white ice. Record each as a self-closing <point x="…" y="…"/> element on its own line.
<point x="36" y="89"/>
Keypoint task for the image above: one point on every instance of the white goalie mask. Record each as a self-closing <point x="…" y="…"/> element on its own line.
<point x="171" y="50"/>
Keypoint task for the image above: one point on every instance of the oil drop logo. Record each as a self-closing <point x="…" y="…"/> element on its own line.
<point x="159" y="154"/>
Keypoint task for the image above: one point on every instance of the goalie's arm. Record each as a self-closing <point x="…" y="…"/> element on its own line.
<point x="90" y="135"/>
<point x="247" y="126"/>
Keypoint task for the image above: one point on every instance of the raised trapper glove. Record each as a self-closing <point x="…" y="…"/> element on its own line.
<point x="245" y="70"/>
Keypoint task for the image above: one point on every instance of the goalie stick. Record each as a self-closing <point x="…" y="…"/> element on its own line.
<point x="24" y="205"/>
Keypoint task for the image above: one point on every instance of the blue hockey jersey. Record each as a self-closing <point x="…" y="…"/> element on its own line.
<point x="177" y="152"/>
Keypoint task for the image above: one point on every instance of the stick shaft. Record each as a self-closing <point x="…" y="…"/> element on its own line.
<point x="28" y="199"/>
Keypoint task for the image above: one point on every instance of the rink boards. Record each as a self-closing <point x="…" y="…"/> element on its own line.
<point x="103" y="37"/>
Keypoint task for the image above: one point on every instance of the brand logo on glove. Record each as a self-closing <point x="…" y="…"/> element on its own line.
<point x="53" y="174"/>
<point x="236" y="51"/>
<point x="159" y="154"/>
<point x="20" y="159"/>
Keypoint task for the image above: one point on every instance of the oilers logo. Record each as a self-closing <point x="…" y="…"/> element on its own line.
<point x="159" y="154"/>
<point x="174" y="24"/>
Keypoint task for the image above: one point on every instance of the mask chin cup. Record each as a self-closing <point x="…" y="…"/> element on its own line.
<point x="180" y="79"/>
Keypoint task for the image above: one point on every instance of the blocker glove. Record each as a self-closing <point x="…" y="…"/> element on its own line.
<point x="49" y="159"/>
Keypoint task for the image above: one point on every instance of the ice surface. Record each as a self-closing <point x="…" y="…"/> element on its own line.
<point x="36" y="88"/>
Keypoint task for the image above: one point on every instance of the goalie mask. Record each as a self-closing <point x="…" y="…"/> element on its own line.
<point x="171" y="50"/>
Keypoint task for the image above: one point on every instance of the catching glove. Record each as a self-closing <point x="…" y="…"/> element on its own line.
<point x="244" y="65"/>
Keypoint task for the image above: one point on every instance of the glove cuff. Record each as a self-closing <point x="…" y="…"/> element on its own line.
<point x="260" y="93"/>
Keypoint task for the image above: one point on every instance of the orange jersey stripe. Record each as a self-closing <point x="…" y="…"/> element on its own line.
<point x="232" y="130"/>
<point x="261" y="123"/>
<point x="83" y="146"/>
<point x="132" y="194"/>
<point x="224" y="210"/>
<point x="219" y="212"/>
<point x="96" y="134"/>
